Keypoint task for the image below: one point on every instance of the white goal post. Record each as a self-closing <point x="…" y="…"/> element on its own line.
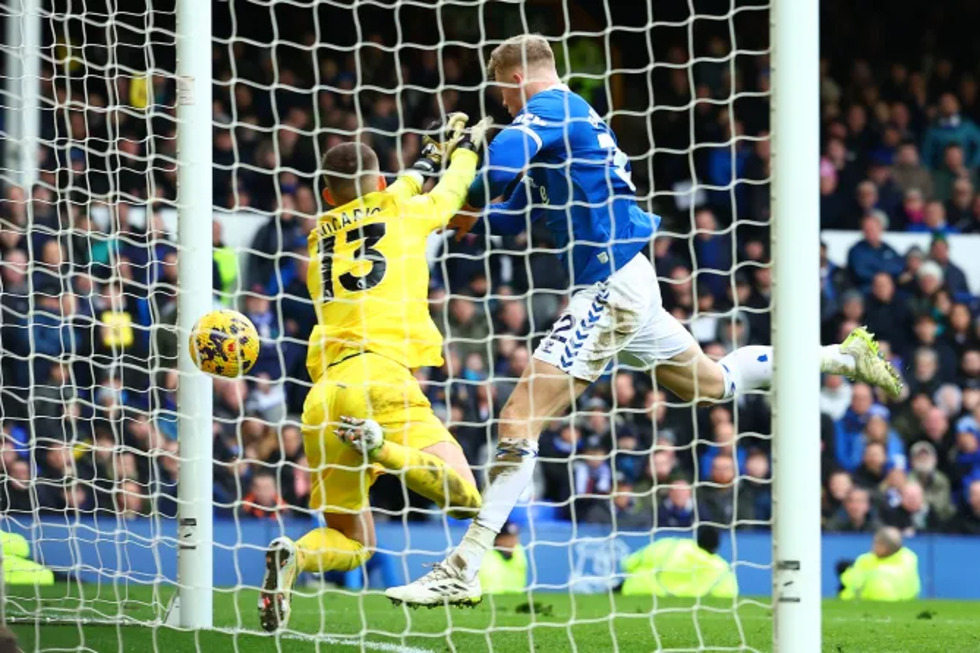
<point x="246" y="109"/>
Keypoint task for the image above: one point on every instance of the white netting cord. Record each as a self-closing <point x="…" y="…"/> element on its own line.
<point x="99" y="406"/>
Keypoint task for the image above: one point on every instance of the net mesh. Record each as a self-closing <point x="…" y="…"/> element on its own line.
<point x="89" y="270"/>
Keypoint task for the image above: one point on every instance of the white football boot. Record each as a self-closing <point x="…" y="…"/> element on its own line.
<point x="444" y="585"/>
<point x="275" y="597"/>
<point x="870" y="367"/>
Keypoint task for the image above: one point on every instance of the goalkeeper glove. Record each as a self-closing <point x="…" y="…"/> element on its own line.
<point x="472" y="139"/>
<point x="434" y="152"/>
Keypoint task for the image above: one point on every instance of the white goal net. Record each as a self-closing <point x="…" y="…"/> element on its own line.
<point x="89" y="291"/>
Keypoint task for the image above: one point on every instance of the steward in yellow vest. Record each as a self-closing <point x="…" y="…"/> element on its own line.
<point x="890" y="572"/>
<point x="683" y="567"/>
<point x="504" y="569"/>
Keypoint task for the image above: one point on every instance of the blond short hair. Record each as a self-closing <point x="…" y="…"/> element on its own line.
<point x="526" y="50"/>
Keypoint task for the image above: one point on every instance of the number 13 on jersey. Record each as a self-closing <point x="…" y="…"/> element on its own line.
<point x="366" y="239"/>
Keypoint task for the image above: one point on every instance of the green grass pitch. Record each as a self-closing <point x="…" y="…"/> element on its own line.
<point x="547" y="622"/>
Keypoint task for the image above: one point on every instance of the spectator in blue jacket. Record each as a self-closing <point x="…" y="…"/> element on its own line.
<point x="872" y="255"/>
<point x="877" y="429"/>
<point x="951" y="127"/>
<point x="848" y="429"/>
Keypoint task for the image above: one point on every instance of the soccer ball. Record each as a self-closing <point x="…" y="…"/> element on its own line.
<point x="224" y="343"/>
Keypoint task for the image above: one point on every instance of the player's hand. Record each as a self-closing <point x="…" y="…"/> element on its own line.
<point x="472" y="139"/>
<point x="463" y="221"/>
<point x="450" y="132"/>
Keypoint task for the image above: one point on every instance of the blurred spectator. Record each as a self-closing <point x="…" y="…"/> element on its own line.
<point x="954" y="277"/>
<point x="677" y="508"/>
<point x="913" y="514"/>
<point x="263" y="499"/>
<point x="872" y="255"/>
<point x="952" y="170"/>
<point x="967" y="521"/>
<point x="622" y="510"/>
<point x="908" y="173"/>
<point x="592" y="474"/>
<point x="951" y="127"/>
<point x="855" y="517"/>
<point x="935" y="484"/>
<point x="873" y="468"/>
<point x="839" y="485"/>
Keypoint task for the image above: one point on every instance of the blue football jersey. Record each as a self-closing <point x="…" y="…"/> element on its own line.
<point x="575" y="178"/>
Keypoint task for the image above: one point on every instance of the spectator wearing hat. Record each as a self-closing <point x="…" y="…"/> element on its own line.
<point x="967" y="520"/>
<point x="504" y="568"/>
<point x="890" y="572"/>
<point x="934" y="483"/>
<point x="855" y="516"/>
<point x="872" y="254"/>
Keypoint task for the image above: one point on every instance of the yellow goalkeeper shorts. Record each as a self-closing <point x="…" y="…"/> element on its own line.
<point x="366" y="386"/>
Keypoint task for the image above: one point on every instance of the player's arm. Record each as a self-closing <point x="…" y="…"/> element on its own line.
<point x="512" y="150"/>
<point x="508" y="217"/>
<point x="445" y="200"/>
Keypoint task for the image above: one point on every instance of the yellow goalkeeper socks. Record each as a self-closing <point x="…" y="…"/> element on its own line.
<point x="431" y="477"/>
<point x="327" y="549"/>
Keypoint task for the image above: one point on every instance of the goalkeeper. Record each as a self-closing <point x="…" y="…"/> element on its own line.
<point x="369" y="282"/>
<point x="577" y="182"/>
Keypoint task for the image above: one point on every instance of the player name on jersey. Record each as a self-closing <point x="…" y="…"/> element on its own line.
<point x="332" y="223"/>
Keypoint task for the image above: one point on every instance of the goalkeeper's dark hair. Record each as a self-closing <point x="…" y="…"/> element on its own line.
<point x="350" y="170"/>
<point x="525" y="50"/>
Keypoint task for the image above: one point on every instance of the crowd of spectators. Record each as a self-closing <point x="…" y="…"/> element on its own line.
<point x="89" y="299"/>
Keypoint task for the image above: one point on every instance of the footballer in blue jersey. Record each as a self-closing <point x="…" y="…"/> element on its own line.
<point x="575" y="178"/>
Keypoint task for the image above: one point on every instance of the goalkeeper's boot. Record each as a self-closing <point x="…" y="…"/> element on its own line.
<point x="365" y="435"/>
<point x="870" y="366"/>
<point x="275" y="596"/>
<point x="444" y="585"/>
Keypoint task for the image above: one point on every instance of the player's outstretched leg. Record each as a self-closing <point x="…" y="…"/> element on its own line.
<point x="425" y="473"/>
<point x="692" y="376"/>
<point x="322" y="549"/>
<point x="275" y="597"/>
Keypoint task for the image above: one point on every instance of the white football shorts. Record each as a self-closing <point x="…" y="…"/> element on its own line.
<point x="622" y="315"/>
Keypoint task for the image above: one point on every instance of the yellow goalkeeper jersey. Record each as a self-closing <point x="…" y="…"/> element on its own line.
<point x="368" y="275"/>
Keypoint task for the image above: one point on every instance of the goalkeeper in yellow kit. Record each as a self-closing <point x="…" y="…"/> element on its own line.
<point x="366" y="413"/>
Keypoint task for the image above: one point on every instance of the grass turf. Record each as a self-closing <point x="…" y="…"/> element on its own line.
<point x="336" y="621"/>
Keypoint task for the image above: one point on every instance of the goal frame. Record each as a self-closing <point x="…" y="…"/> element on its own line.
<point x="794" y="106"/>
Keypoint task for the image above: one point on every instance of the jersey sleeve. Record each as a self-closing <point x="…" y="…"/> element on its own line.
<point x="539" y="126"/>
<point x="438" y="206"/>
<point x="408" y="184"/>
<point x="510" y="216"/>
